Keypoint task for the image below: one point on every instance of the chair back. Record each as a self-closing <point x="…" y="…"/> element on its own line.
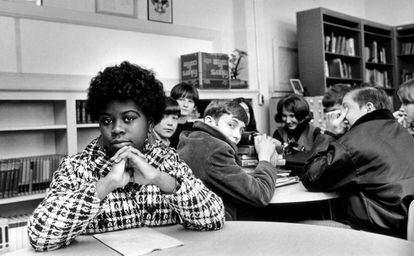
<point x="410" y="223"/>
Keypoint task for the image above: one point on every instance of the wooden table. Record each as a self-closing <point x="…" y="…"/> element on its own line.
<point x="257" y="238"/>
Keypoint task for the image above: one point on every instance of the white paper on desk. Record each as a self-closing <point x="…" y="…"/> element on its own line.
<point x="137" y="241"/>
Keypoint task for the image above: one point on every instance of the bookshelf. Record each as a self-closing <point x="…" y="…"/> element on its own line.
<point x="39" y="128"/>
<point x="405" y="52"/>
<point x="337" y="48"/>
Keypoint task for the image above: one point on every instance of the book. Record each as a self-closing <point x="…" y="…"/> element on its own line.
<point x="283" y="181"/>
<point x="137" y="241"/>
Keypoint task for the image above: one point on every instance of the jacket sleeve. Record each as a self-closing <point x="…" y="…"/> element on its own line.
<point x="198" y="207"/>
<point x="254" y="188"/>
<point x="66" y="210"/>
<point x="329" y="166"/>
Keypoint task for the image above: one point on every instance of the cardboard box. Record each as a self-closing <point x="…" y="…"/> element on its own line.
<point x="206" y="70"/>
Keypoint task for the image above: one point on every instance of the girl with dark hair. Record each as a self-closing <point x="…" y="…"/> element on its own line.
<point x="296" y="133"/>
<point x="168" y="124"/>
<point x="187" y="97"/>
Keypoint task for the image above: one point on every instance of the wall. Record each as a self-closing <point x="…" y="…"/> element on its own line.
<point x="75" y="41"/>
<point x="393" y="13"/>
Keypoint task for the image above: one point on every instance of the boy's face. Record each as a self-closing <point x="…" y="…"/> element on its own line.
<point x="409" y="110"/>
<point x="352" y="108"/>
<point x="231" y="127"/>
<point x="167" y="126"/>
<point x="289" y="119"/>
<point x="186" y="106"/>
<point x="122" y="123"/>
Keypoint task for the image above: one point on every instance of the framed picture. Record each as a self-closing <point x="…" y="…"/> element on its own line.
<point x="126" y="8"/>
<point x="160" y="10"/>
<point x="296" y="86"/>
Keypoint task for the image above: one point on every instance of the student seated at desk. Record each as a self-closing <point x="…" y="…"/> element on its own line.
<point x="187" y="97"/>
<point x="405" y="114"/>
<point x="211" y="152"/>
<point x="122" y="179"/>
<point x="297" y="133"/>
<point x="165" y="128"/>
<point x="371" y="163"/>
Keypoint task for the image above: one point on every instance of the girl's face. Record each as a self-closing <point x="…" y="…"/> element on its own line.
<point x="167" y="126"/>
<point x="122" y="123"/>
<point x="289" y="119"/>
<point x="186" y="105"/>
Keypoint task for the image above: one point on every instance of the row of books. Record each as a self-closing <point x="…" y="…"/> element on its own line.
<point x="407" y="48"/>
<point x="377" y="77"/>
<point x="338" y="68"/>
<point x="340" y="44"/>
<point x="375" y="55"/>
<point x="28" y="175"/>
<point x="13" y="233"/>
<point x="82" y="117"/>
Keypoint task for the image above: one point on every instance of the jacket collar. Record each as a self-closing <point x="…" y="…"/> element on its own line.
<point x="201" y="126"/>
<point x="379" y="114"/>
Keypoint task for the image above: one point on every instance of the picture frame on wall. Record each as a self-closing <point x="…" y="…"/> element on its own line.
<point x="296" y="85"/>
<point x="160" y="10"/>
<point x="125" y="8"/>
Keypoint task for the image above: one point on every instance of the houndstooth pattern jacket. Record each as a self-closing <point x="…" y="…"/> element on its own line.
<point x="72" y="207"/>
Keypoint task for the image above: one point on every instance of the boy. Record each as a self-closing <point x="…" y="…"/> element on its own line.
<point x="168" y="124"/>
<point x="211" y="152"/>
<point x="120" y="180"/>
<point x="371" y="164"/>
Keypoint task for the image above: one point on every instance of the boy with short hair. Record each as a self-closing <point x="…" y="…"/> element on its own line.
<point x="371" y="163"/>
<point x="121" y="180"/>
<point x="211" y="152"/>
<point x="165" y="128"/>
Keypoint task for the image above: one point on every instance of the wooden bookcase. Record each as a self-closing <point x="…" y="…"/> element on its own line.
<point x="338" y="48"/>
<point x="37" y="123"/>
<point x="404" y="52"/>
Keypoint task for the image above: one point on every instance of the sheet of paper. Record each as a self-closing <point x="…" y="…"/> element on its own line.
<point x="137" y="241"/>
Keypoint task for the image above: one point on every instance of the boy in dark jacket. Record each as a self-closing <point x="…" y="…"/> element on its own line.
<point x="210" y="151"/>
<point x="371" y="164"/>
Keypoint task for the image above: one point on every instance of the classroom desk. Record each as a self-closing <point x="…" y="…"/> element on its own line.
<point x="297" y="193"/>
<point x="256" y="238"/>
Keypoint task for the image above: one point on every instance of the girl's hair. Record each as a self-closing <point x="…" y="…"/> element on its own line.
<point x="171" y="107"/>
<point x="217" y="108"/>
<point x="406" y="92"/>
<point x="297" y="105"/>
<point x="124" y="82"/>
<point x="184" y="90"/>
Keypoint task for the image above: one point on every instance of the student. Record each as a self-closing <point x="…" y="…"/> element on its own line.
<point x="332" y="103"/>
<point x="168" y="124"/>
<point x="251" y="125"/>
<point x="405" y="114"/>
<point x="371" y="164"/>
<point x="296" y="133"/>
<point x="332" y="100"/>
<point x="120" y="180"/>
<point x="210" y="150"/>
<point x="187" y="97"/>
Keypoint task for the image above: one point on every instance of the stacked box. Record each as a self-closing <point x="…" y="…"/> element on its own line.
<point x="206" y="70"/>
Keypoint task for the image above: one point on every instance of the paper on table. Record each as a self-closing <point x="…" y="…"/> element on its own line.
<point x="137" y="241"/>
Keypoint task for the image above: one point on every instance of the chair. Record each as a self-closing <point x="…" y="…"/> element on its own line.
<point x="410" y="222"/>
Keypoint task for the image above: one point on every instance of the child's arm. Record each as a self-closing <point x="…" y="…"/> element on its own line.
<point x="197" y="207"/>
<point x="69" y="205"/>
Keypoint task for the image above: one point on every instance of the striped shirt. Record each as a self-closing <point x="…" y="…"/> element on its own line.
<point x="72" y="206"/>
